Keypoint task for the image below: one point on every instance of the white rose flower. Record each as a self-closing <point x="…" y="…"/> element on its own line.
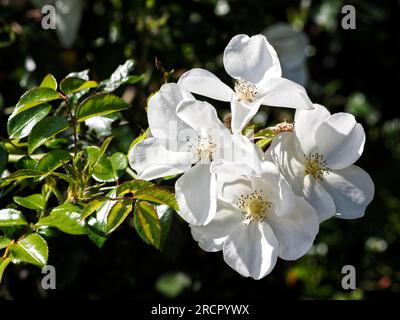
<point x="187" y="132"/>
<point x="253" y="63"/>
<point x="258" y="219"/>
<point x="317" y="161"/>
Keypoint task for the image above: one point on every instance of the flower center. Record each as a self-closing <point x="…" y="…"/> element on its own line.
<point x="204" y="148"/>
<point x="316" y="166"/>
<point x="253" y="207"/>
<point x="245" y="90"/>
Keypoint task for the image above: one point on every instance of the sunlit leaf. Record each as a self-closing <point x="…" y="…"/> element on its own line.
<point x="12" y="217"/>
<point x="3" y="265"/>
<point x="147" y="223"/>
<point x="157" y="195"/>
<point x="44" y="130"/>
<point x="99" y="104"/>
<point x="118" y="214"/>
<point x="119" y="163"/>
<point x="132" y="186"/>
<point x="49" y="82"/>
<point x="90" y="208"/>
<point x="66" y="218"/>
<point x="4" y="242"/>
<point x="20" y="124"/>
<point x="34" y="202"/>
<point x="36" y="96"/>
<point x="31" y="249"/>
<point x="71" y="85"/>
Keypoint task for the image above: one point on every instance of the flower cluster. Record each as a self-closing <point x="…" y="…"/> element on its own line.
<point x="255" y="206"/>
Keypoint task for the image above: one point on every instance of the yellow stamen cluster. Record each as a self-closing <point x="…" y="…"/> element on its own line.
<point x="316" y="166"/>
<point x="253" y="206"/>
<point x="245" y="90"/>
<point x="284" y="127"/>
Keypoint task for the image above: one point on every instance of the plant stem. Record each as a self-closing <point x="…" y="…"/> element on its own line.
<point x="131" y="173"/>
<point x="74" y="125"/>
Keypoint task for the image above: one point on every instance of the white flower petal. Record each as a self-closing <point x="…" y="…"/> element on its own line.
<point x="211" y="237"/>
<point x="319" y="198"/>
<point x="286" y="154"/>
<point x="306" y="123"/>
<point x="251" y="250"/>
<point x="151" y="159"/>
<point x="238" y="156"/>
<point x="252" y="59"/>
<point x="242" y="113"/>
<point x="196" y="193"/>
<point x="352" y="190"/>
<point x="199" y="115"/>
<point x="161" y="113"/>
<point x="340" y="147"/>
<point x="230" y="187"/>
<point x="205" y="83"/>
<point x="280" y="92"/>
<point x="295" y="224"/>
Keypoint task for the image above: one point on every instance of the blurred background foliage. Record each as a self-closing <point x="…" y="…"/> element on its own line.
<point x="345" y="70"/>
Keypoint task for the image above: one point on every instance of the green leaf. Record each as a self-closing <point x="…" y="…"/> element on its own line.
<point x="12" y="217"/>
<point x="53" y="160"/>
<point x="132" y="186"/>
<point x="106" y="169"/>
<point x="119" y="163"/>
<point x="73" y="84"/>
<point x="98" y="105"/>
<point x="3" y="159"/>
<point x="165" y="214"/>
<point x="94" y="153"/>
<point x="157" y="195"/>
<point x="49" y="82"/>
<point x="4" y="242"/>
<point x="23" y="174"/>
<point x="36" y="96"/>
<point x="96" y="236"/>
<point x="118" y="214"/>
<point x="31" y="249"/>
<point x="103" y="170"/>
<point x="120" y="76"/>
<point x="139" y="138"/>
<point x="34" y="202"/>
<point x="44" y="130"/>
<point x="20" y="124"/>
<point x="147" y="223"/>
<point x="97" y="224"/>
<point x="90" y="208"/>
<point x="66" y="218"/>
<point x="3" y="265"/>
<point x="27" y="163"/>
